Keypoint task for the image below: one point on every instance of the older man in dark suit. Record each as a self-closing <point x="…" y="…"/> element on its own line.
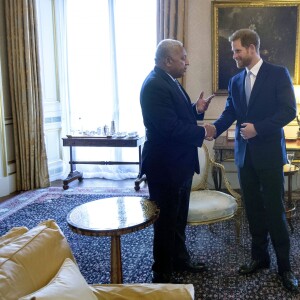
<point x="170" y="157"/>
<point x="261" y="100"/>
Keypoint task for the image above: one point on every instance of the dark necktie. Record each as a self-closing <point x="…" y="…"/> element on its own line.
<point x="248" y="86"/>
<point x="181" y="90"/>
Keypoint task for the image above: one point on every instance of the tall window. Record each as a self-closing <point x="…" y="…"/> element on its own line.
<point x="111" y="45"/>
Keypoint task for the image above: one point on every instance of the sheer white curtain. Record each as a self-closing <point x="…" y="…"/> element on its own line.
<point x="111" y="45"/>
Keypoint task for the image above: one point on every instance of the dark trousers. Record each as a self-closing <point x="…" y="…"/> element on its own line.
<point x="169" y="247"/>
<point x="263" y="192"/>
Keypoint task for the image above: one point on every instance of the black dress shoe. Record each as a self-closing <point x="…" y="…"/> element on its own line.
<point x="164" y="278"/>
<point x="289" y="281"/>
<point x="189" y="267"/>
<point x="253" y="266"/>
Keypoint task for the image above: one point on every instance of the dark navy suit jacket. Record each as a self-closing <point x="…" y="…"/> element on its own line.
<point x="271" y="106"/>
<point x="172" y="135"/>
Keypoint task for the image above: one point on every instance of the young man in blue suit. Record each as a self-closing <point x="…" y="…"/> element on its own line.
<point x="260" y="150"/>
<point x="170" y="157"/>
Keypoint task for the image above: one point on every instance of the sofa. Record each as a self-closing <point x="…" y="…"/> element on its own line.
<point x="39" y="264"/>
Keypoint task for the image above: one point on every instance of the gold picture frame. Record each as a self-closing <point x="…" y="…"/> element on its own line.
<point x="276" y="22"/>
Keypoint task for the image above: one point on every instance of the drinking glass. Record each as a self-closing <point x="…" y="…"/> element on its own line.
<point x="290" y="157"/>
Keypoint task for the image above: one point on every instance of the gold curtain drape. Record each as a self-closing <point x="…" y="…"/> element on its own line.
<point x="171" y="20"/>
<point x="25" y="89"/>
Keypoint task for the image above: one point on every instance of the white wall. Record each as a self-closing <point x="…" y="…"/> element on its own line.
<point x="199" y="74"/>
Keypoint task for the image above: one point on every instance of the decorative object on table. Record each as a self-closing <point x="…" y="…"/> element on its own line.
<point x="120" y="135"/>
<point x="132" y="134"/>
<point x="290" y="157"/>
<point x="106" y="130"/>
<point x="99" y="131"/>
<point x="112" y="128"/>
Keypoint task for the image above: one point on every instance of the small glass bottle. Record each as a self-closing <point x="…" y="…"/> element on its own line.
<point x="112" y="128"/>
<point x="80" y="125"/>
<point x="106" y="130"/>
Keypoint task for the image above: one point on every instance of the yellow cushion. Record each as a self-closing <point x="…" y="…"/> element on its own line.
<point x="68" y="284"/>
<point x="31" y="260"/>
<point x="144" y="291"/>
<point x="11" y="235"/>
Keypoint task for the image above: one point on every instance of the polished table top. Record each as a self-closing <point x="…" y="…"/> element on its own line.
<point x="94" y="141"/>
<point x="113" y="216"/>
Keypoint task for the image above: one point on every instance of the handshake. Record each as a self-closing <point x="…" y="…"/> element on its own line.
<point x="210" y="131"/>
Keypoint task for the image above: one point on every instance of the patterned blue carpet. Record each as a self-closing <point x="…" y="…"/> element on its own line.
<point x="215" y="245"/>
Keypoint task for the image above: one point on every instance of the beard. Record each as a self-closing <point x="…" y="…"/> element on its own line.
<point x="243" y="62"/>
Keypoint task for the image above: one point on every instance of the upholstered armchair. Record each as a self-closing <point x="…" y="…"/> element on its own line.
<point x="208" y="206"/>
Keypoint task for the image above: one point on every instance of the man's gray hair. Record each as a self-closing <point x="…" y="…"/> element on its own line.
<point x="165" y="48"/>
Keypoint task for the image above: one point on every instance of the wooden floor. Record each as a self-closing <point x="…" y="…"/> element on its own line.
<point x="88" y="182"/>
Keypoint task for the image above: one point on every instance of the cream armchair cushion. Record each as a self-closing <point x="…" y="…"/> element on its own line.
<point x="208" y="206"/>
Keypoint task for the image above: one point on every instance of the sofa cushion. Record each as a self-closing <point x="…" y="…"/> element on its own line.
<point x="14" y="233"/>
<point x="31" y="260"/>
<point x="145" y="291"/>
<point x="67" y="284"/>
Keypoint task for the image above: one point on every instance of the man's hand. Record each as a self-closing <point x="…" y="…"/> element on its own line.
<point x="248" y="131"/>
<point x="202" y="103"/>
<point x="210" y="131"/>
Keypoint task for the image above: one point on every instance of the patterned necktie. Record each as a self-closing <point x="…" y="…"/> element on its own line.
<point x="181" y="90"/>
<point x="248" y="87"/>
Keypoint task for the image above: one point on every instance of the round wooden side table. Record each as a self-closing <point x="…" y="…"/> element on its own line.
<point x="113" y="217"/>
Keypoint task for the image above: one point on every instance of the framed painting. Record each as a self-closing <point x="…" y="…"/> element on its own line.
<point x="276" y="22"/>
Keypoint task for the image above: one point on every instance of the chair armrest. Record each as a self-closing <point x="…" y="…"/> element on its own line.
<point x="226" y="182"/>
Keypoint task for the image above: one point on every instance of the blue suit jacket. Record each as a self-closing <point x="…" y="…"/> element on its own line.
<point x="172" y="135"/>
<point x="271" y="106"/>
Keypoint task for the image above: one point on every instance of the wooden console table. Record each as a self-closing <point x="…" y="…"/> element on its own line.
<point x="86" y="141"/>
